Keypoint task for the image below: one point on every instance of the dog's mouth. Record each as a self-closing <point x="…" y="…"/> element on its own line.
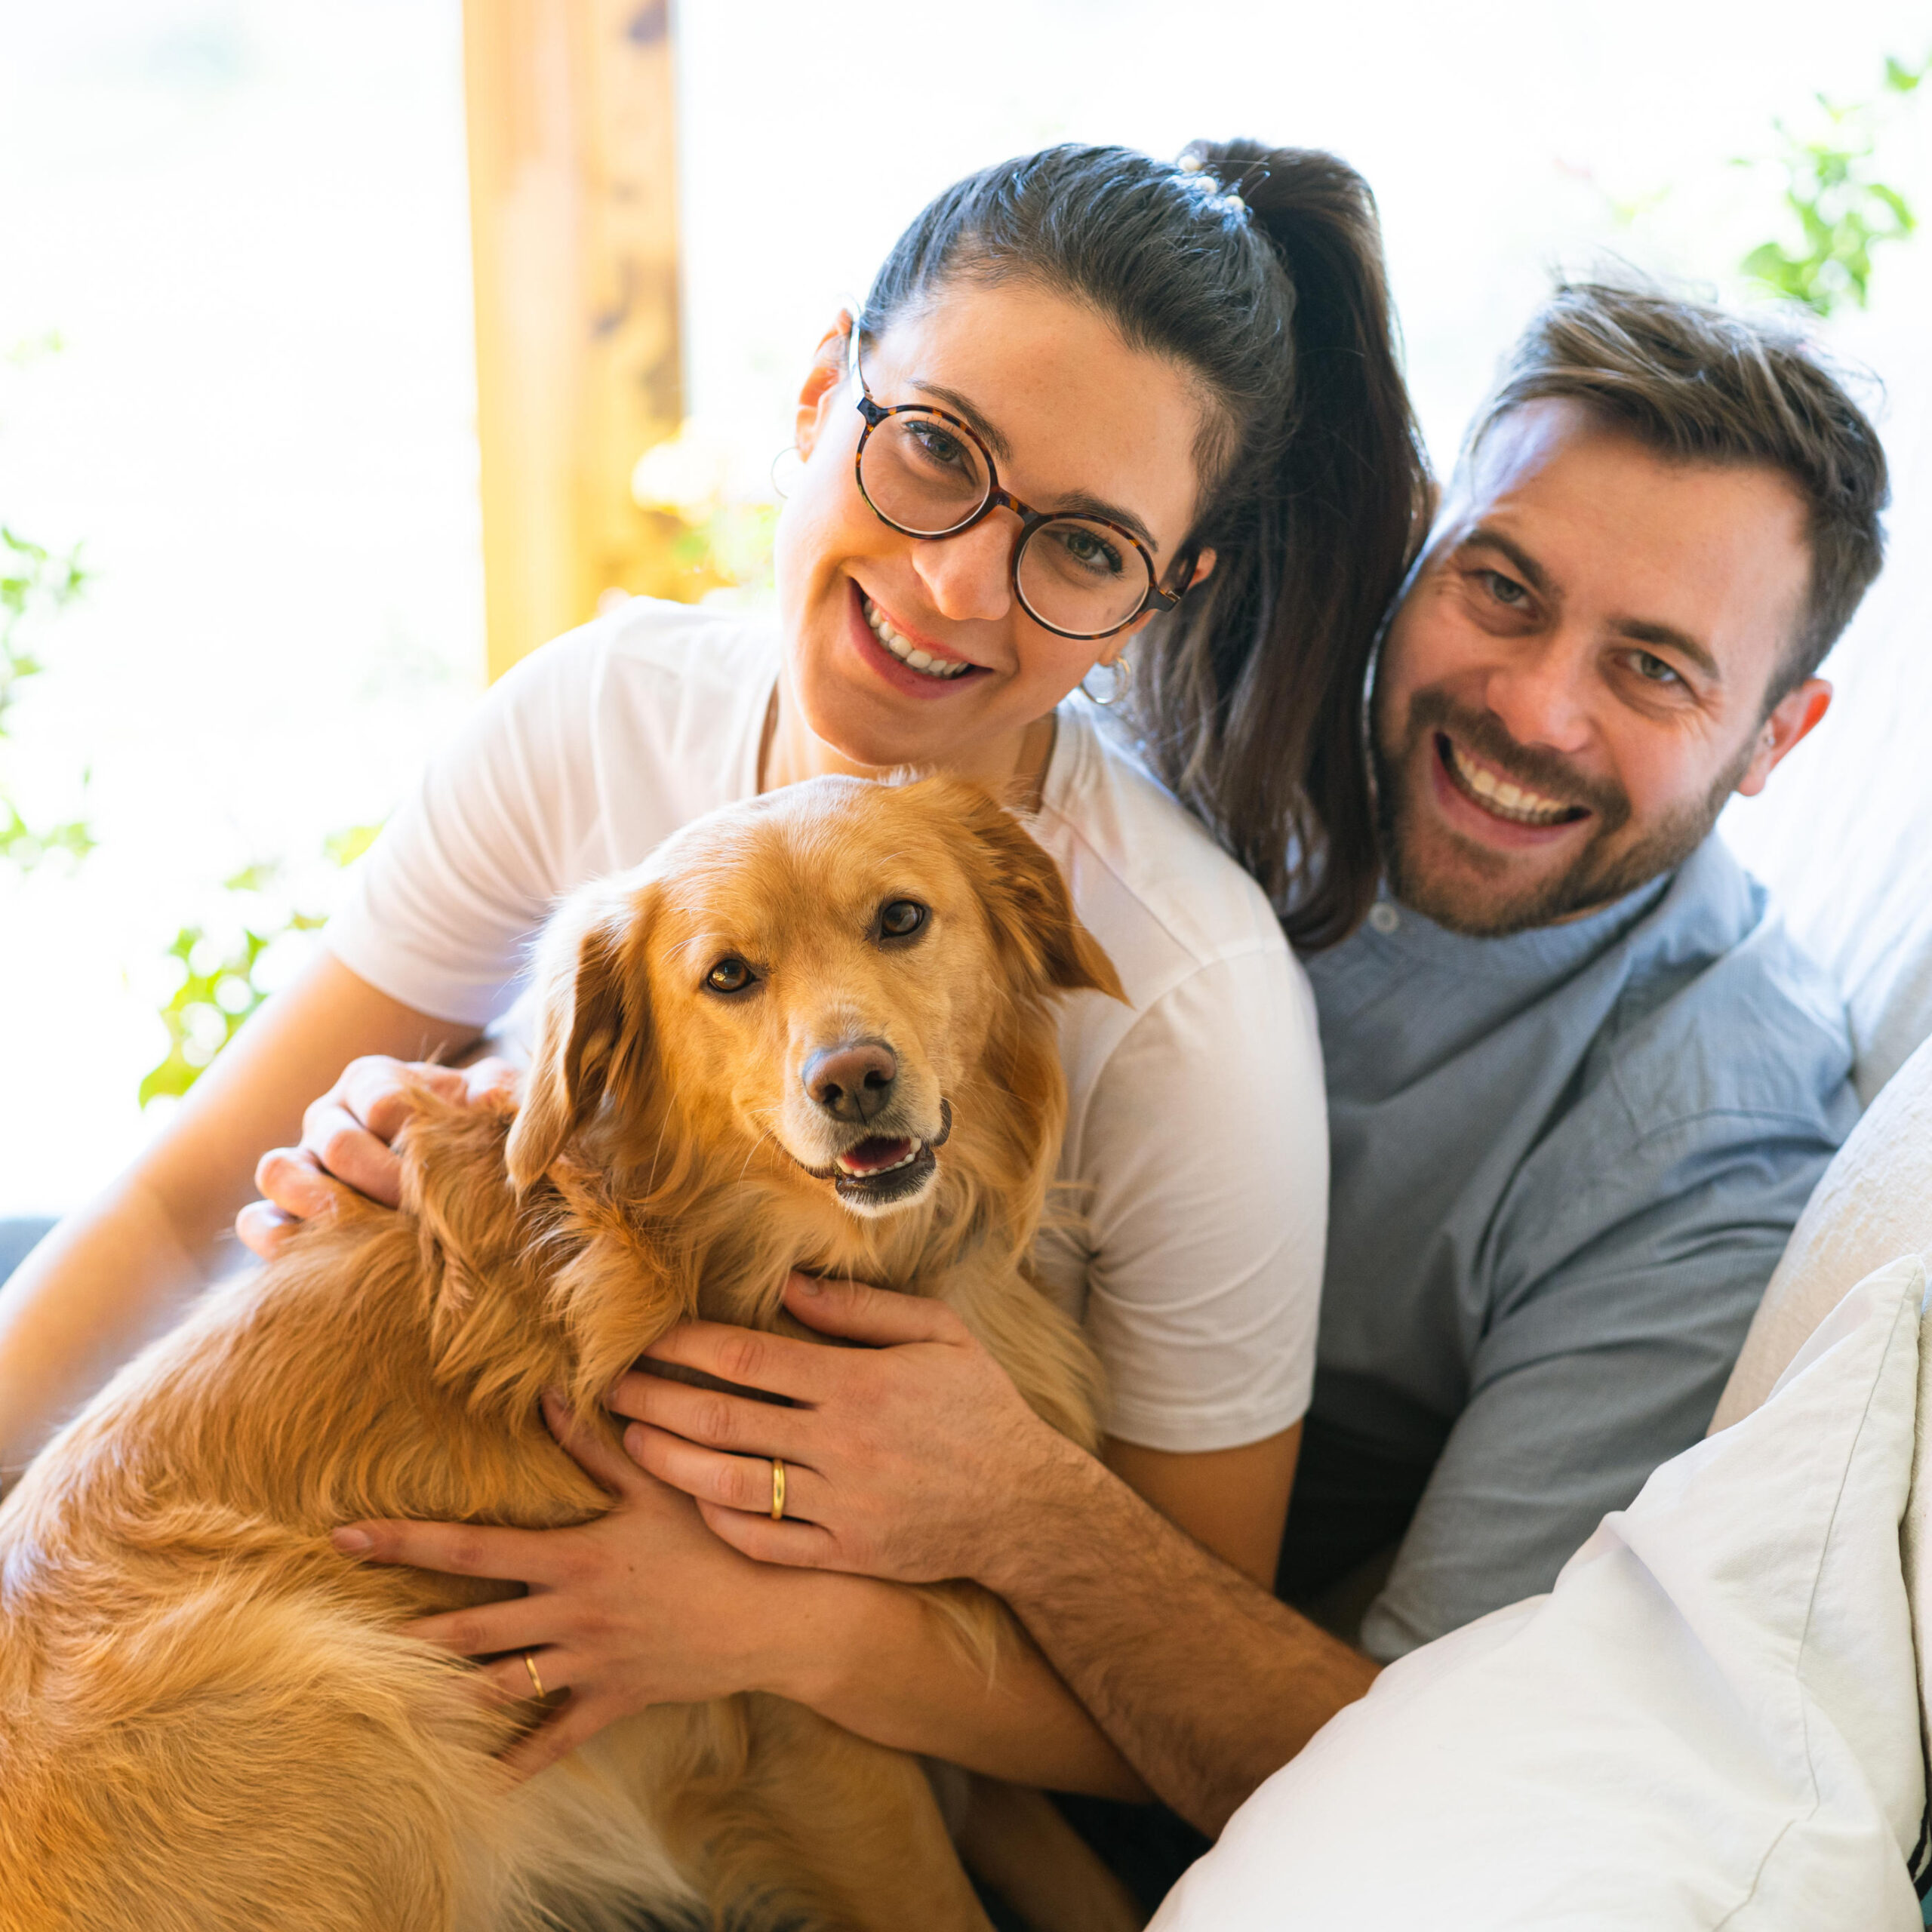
<point x="882" y="1170"/>
<point x="878" y="1170"/>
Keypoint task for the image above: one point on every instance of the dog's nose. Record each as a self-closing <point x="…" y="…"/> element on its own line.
<point x="852" y="1080"/>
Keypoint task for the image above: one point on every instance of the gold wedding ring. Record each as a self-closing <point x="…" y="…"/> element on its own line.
<point x="777" y="1490"/>
<point x="536" y="1682"/>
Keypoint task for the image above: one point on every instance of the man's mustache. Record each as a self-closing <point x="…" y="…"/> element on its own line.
<point x="1528" y="767"/>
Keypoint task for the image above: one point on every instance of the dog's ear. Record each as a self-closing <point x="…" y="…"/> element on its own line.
<point x="1034" y="923"/>
<point x="593" y="1023"/>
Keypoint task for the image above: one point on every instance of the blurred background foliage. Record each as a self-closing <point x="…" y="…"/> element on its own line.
<point x="224" y="974"/>
<point x="36" y="585"/>
<point x="1842" y="208"/>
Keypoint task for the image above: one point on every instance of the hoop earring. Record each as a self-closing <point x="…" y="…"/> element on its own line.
<point x="1123" y="676"/>
<point x="778" y="489"/>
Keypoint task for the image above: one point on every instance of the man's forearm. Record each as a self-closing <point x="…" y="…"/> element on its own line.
<point x="1205" y="1683"/>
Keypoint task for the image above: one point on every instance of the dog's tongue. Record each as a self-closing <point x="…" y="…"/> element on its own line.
<point x="871" y="1155"/>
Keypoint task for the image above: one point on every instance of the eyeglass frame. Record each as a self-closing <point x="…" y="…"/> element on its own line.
<point x="998" y="498"/>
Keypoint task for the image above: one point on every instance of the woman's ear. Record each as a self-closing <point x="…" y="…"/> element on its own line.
<point x="593" y="1023"/>
<point x="1035" y="926"/>
<point x="822" y="382"/>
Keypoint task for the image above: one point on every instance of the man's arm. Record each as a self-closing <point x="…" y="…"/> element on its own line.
<point x="916" y="1459"/>
<point x="1205" y="1682"/>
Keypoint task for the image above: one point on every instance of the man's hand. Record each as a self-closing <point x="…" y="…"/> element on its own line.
<point x="902" y="1458"/>
<point x="345" y="1137"/>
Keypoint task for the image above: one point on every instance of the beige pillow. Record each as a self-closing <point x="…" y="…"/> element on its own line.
<point x="1874" y="1204"/>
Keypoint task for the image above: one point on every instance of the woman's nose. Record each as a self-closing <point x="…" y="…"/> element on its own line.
<point x="969" y="575"/>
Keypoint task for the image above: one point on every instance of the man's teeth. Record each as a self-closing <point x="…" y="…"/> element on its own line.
<point x="913" y="1150"/>
<point x="1506" y="800"/>
<point x="910" y="654"/>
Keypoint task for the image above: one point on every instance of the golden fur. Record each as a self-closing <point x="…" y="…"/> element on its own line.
<point x="207" y="1720"/>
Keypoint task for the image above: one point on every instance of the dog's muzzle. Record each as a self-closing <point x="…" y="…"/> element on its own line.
<point x="884" y="1171"/>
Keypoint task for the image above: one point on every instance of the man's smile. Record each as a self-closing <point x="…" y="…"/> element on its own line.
<point x="1492" y="791"/>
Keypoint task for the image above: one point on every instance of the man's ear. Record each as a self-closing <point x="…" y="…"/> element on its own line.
<point x="1032" y="913"/>
<point x="822" y="382"/>
<point x="593" y="1023"/>
<point x="1791" y="720"/>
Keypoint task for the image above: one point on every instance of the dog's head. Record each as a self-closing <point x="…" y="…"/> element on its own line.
<point x="822" y="972"/>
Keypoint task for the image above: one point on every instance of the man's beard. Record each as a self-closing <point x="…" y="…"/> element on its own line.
<point x="1596" y="877"/>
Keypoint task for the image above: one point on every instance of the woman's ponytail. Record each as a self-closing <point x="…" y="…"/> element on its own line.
<point x="1252" y="708"/>
<point x="1258" y="269"/>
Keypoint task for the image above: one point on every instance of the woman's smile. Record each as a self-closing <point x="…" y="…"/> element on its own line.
<point x="915" y="650"/>
<point x="886" y="650"/>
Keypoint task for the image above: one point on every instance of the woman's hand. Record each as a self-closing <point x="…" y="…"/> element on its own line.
<point x="643" y="1606"/>
<point x="345" y="1137"/>
<point x="908" y="1459"/>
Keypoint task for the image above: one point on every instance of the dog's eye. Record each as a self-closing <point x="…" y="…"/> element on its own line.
<point x="900" y="918"/>
<point x="729" y="976"/>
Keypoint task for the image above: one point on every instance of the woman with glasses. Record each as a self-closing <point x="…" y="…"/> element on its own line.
<point x="1104" y="424"/>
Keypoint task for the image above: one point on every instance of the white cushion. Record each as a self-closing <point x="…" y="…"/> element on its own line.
<point x="1874" y="1202"/>
<point x="1709" y="1721"/>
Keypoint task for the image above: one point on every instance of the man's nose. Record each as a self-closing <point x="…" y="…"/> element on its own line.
<point x="969" y="575"/>
<point x="1542" y="697"/>
<point x="853" y="1080"/>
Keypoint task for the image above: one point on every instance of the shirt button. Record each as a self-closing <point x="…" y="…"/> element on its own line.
<point x="1383" y="917"/>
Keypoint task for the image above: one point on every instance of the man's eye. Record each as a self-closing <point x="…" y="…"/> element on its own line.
<point x="1654" y="671"/>
<point x="1505" y="589"/>
<point x="900" y="918"/>
<point x="729" y="976"/>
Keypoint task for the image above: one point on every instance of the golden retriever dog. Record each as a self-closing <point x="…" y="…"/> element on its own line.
<point x="814" y="1030"/>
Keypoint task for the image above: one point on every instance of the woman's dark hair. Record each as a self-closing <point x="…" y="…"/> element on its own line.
<point x="1260" y="271"/>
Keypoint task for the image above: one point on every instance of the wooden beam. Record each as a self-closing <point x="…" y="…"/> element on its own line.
<point x="573" y="222"/>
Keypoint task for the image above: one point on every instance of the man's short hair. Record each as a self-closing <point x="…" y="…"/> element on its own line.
<point x="1698" y="384"/>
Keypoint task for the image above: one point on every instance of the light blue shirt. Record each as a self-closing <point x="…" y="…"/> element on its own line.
<point x="1565" y="1163"/>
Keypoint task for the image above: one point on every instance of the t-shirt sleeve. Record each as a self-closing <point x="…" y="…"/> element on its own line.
<point x="1629" y="1296"/>
<point x="447" y="903"/>
<point x="1203" y="1160"/>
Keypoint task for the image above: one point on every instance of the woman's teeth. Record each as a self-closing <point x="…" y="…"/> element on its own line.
<point x="910" y="655"/>
<point x="1505" y="800"/>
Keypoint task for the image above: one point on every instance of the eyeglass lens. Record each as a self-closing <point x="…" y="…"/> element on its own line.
<point x="927" y="478"/>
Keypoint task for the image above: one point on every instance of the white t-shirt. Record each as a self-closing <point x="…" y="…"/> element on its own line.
<point x="1197" y="1136"/>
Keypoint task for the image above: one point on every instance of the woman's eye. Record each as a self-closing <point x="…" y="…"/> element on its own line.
<point x="1089" y="549"/>
<point x="1505" y="589"/>
<point x="900" y="918"/>
<point x="729" y="976"/>
<point x="1654" y="671"/>
<point x="937" y="444"/>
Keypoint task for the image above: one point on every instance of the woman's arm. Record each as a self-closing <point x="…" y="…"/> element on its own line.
<point x="1234" y="1502"/>
<point x="112" y="1275"/>
<point x="897" y="1676"/>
